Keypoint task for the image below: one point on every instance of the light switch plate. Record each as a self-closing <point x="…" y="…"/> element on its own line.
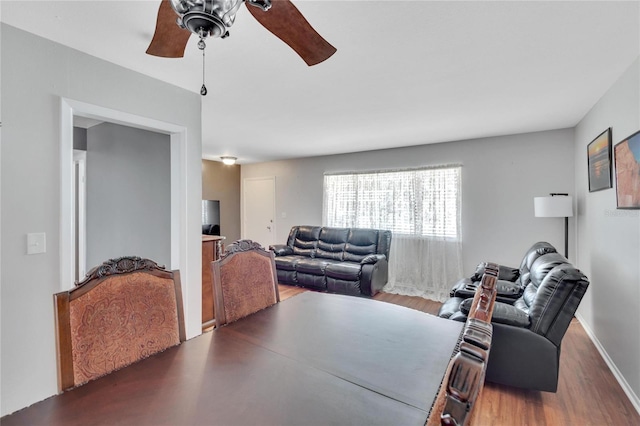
<point x="36" y="243"/>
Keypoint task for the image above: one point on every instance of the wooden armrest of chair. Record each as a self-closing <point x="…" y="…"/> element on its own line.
<point x="464" y="378"/>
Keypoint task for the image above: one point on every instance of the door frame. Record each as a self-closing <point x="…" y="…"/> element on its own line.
<point x="178" y="146"/>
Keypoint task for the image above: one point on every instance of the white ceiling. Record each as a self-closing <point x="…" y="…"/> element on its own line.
<point x="406" y="72"/>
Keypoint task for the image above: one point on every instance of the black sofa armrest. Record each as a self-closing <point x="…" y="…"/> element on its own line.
<point x="508" y="291"/>
<point x="373" y="258"/>
<point x="505" y="273"/>
<point x="503" y="313"/>
<point x="281" y="249"/>
<point x="374" y="276"/>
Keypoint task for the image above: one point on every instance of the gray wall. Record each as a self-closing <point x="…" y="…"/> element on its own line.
<point x="35" y="74"/>
<point x="128" y="194"/>
<point x="80" y="138"/>
<point x="609" y="239"/>
<point x="500" y="178"/>
<point x="222" y="182"/>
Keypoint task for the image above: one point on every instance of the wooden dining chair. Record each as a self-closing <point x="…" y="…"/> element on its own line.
<point x="244" y="281"/>
<point x="125" y="310"/>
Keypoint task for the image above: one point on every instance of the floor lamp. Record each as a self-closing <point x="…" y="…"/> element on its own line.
<point x="556" y="205"/>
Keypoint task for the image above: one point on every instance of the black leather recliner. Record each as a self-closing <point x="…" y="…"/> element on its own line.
<point x="511" y="281"/>
<point x="525" y="350"/>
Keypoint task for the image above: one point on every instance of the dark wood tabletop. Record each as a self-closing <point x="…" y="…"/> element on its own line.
<point x="314" y="359"/>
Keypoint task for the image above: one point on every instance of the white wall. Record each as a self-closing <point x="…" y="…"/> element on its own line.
<point x="35" y="74"/>
<point x="609" y="239"/>
<point x="500" y="178"/>
<point x="128" y="194"/>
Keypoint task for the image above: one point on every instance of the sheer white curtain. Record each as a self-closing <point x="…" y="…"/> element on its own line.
<point x="422" y="209"/>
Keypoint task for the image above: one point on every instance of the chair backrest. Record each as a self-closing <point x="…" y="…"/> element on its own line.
<point x="535" y="251"/>
<point x="244" y="281"/>
<point x="125" y="310"/>
<point x="539" y="270"/>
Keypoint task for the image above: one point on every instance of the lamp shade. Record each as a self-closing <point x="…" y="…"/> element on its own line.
<point x="553" y="206"/>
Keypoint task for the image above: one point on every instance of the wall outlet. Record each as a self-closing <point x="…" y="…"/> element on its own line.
<point x="36" y="243"/>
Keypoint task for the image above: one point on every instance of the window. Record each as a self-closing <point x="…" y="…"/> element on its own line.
<point x="422" y="202"/>
<point x="422" y="209"/>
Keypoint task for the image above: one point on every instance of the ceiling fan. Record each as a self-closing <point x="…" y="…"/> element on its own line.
<point x="213" y="18"/>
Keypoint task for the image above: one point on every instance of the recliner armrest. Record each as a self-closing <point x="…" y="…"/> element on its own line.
<point x="507" y="291"/>
<point x="503" y="313"/>
<point x="281" y="249"/>
<point x="373" y="258"/>
<point x="505" y="273"/>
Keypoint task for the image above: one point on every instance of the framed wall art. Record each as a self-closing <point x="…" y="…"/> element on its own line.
<point x="599" y="162"/>
<point x="627" y="157"/>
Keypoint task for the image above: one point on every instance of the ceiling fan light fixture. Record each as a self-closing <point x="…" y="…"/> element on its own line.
<point x="228" y="160"/>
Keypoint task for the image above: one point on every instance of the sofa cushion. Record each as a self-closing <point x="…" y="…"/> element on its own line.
<point x="318" y="282"/>
<point x="288" y="263"/>
<point x="331" y="243"/>
<point x="286" y="277"/>
<point x="503" y="313"/>
<point x="344" y="271"/>
<point x="330" y="254"/>
<point x="334" y="235"/>
<point x="306" y="240"/>
<point x="538" y="249"/>
<point x="304" y="248"/>
<point x="312" y="266"/>
<point x="543" y="264"/>
<point x="361" y="242"/>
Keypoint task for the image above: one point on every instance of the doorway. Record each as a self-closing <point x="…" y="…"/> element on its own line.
<point x="69" y="266"/>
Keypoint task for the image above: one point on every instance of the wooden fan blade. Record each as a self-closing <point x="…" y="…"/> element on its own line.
<point x="286" y="22"/>
<point x="169" y="40"/>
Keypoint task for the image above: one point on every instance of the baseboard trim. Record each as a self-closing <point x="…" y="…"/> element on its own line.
<point x="635" y="401"/>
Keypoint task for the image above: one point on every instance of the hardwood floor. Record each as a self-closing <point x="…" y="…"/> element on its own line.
<point x="588" y="393"/>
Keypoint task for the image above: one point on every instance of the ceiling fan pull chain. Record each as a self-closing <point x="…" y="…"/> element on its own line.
<point x="201" y="46"/>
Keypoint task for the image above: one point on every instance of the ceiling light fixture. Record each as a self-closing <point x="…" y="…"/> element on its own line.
<point x="229" y="161"/>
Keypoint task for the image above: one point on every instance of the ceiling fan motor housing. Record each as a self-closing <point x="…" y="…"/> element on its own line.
<point x="206" y="17"/>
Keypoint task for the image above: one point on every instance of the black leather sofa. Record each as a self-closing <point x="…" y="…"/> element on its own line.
<point x="350" y="261"/>
<point x="528" y="332"/>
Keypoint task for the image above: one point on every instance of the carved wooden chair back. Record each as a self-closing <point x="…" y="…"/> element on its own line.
<point x="244" y="281"/>
<point x="125" y="310"/>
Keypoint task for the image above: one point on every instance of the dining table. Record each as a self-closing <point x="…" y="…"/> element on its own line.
<point x="313" y="359"/>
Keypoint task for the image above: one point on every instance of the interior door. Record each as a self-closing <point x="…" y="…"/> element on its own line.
<point x="258" y="211"/>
